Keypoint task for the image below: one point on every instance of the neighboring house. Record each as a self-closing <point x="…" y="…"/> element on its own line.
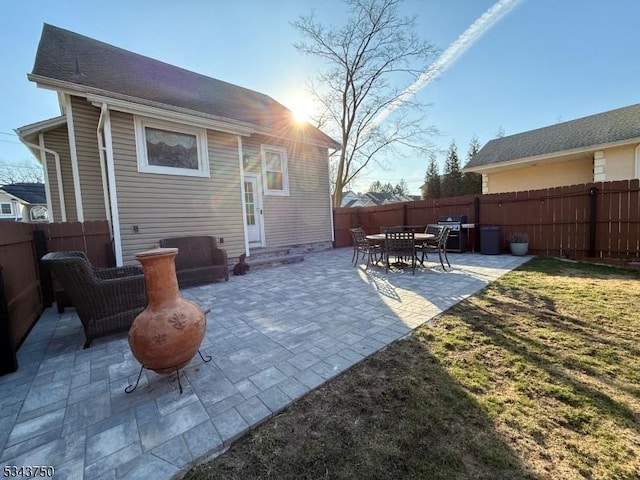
<point x="381" y="198"/>
<point x="161" y="151"/>
<point x="23" y="202"/>
<point x="369" y="199"/>
<point x="351" y="199"/>
<point x="597" y="148"/>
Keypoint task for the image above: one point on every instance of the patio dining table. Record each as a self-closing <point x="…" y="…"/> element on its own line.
<point x="418" y="237"/>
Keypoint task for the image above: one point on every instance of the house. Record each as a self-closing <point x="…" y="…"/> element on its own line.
<point x="351" y="199"/>
<point x="161" y="151"/>
<point x="597" y="148"/>
<point x="370" y="199"/>
<point x="24" y="202"/>
<point x="383" y="198"/>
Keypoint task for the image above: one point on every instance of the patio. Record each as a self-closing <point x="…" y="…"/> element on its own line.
<point x="274" y="335"/>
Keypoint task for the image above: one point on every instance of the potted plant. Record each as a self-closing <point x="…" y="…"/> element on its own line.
<point x="519" y="243"/>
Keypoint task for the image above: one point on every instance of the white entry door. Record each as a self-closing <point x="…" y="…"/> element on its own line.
<point x="253" y="209"/>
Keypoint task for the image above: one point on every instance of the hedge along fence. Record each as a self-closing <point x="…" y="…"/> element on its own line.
<point x="590" y="220"/>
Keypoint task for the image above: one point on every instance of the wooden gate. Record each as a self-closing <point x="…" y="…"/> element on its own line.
<point x="21" y="287"/>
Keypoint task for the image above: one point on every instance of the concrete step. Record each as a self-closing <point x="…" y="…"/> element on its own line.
<point x="270" y="257"/>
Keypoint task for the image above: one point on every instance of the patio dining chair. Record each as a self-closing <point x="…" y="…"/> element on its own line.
<point x="107" y="300"/>
<point x="402" y="246"/>
<point x="437" y="244"/>
<point x="430" y="245"/>
<point x="362" y="245"/>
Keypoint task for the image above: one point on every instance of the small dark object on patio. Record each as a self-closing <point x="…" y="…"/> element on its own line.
<point x="241" y="267"/>
<point x="106" y="299"/>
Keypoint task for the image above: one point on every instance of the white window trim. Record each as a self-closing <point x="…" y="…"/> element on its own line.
<point x="285" y="171"/>
<point x="10" y="214"/>
<point x="638" y="161"/>
<point x="141" y="147"/>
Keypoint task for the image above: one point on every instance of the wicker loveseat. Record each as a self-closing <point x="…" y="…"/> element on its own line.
<point x="107" y="300"/>
<point x="199" y="259"/>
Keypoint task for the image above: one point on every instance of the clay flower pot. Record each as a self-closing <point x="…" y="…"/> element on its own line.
<point x="167" y="334"/>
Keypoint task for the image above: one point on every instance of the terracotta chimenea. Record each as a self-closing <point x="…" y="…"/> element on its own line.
<point x="168" y="333"/>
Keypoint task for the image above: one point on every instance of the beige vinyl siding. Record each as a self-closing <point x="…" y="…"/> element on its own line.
<point x="170" y="205"/>
<point x="85" y="122"/>
<point x="58" y="141"/>
<point x="543" y="175"/>
<point x="303" y="216"/>
<point x="621" y="163"/>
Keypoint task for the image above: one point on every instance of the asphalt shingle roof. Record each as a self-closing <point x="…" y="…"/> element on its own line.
<point x="607" y="127"/>
<point x="70" y="57"/>
<point x="32" y="193"/>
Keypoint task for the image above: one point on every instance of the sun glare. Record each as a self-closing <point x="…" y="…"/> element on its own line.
<point x="302" y="108"/>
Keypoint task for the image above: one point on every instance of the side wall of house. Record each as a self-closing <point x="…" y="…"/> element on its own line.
<point x="4" y="198"/>
<point x="540" y="176"/>
<point x="620" y="163"/>
<point x="304" y="216"/>
<point x="58" y="141"/>
<point x="85" y="122"/>
<point x="154" y="206"/>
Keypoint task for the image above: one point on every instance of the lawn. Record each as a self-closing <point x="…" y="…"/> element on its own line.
<point x="535" y="377"/>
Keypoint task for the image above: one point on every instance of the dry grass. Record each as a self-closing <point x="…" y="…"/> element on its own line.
<point x="534" y="377"/>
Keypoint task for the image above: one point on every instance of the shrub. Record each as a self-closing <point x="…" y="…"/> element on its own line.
<point x="519" y="237"/>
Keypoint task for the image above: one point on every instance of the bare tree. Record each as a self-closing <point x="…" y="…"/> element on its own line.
<point x="375" y="50"/>
<point x="26" y="171"/>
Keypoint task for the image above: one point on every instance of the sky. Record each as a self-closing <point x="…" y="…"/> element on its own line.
<point x="543" y="62"/>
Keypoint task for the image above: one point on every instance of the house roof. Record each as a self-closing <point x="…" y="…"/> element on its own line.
<point x="80" y="61"/>
<point x="614" y="126"/>
<point x="31" y="193"/>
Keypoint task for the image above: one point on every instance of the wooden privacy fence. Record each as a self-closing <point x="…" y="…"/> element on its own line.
<point x="590" y="220"/>
<point x="24" y="286"/>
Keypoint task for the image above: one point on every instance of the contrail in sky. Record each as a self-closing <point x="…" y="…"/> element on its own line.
<point x="487" y="20"/>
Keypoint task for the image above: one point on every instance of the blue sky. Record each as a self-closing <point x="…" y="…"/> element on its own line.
<point x="546" y="61"/>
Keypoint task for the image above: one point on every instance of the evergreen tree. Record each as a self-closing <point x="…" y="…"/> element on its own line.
<point x="401" y="188"/>
<point x="452" y="181"/>
<point x="375" y="186"/>
<point x="471" y="181"/>
<point x="387" y="188"/>
<point x="432" y="187"/>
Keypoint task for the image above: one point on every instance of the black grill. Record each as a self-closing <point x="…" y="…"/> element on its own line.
<point x="457" y="241"/>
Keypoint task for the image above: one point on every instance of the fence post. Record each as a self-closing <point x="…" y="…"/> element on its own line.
<point x="476" y="221"/>
<point x="593" y="206"/>
<point x="405" y="216"/>
<point x="8" y="361"/>
<point x="40" y="249"/>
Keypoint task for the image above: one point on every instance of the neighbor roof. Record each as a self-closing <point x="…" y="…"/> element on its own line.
<point x="75" y="59"/>
<point x="32" y="193"/>
<point x="600" y="129"/>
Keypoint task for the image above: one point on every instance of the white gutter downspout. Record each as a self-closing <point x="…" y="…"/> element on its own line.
<point x="242" y="197"/>
<point x="103" y="168"/>
<point x="63" y="209"/>
<point x="45" y="169"/>
<point x="333" y="231"/>
<point x="111" y="177"/>
<point x="74" y="159"/>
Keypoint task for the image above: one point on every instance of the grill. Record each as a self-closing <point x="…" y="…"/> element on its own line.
<point x="457" y="241"/>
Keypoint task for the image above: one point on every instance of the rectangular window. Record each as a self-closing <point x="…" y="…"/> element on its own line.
<point x="171" y="149"/>
<point x="274" y="170"/>
<point x="5" y="208"/>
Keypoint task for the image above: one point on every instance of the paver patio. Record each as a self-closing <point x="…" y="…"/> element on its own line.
<point x="274" y="335"/>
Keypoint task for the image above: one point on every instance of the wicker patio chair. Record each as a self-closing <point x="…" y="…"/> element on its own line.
<point x="402" y="246"/>
<point x="362" y="245"/>
<point x="106" y="299"/>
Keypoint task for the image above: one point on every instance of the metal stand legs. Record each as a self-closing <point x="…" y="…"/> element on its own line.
<point x="131" y="388"/>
